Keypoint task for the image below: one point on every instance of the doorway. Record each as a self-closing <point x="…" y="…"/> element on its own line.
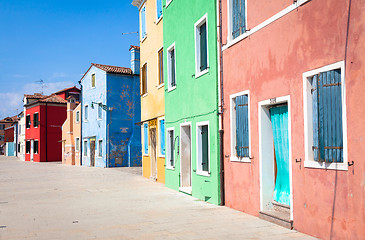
<point x="275" y="158"/>
<point x="92" y="152"/>
<point x="153" y="153"/>
<point x="32" y="150"/>
<point x="185" y="172"/>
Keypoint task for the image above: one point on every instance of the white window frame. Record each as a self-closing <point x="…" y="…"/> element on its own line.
<point x="158" y="68"/>
<point x="77" y="139"/>
<point x="168" y="3"/>
<point x="158" y="19"/>
<point x="308" y="125"/>
<point x="77" y="113"/>
<point x="100" y="140"/>
<point x="169" y="49"/>
<point x="140" y="20"/>
<point x="33" y="120"/>
<point x="197" y="25"/>
<point x="230" y="21"/>
<point x="92" y="80"/>
<point x="167" y="149"/>
<point x="87" y="148"/>
<point x="36" y="140"/>
<point x="86" y="116"/>
<point x="148" y="134"/>
<point x="232" y="99"/>
<point x="101" y="109"/>
<point x="159" y="137"/>
<point x="199" y="170"/>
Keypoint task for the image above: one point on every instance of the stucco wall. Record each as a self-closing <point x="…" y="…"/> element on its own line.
<point x="270" y="63"/>
<point x="194" y="99"/>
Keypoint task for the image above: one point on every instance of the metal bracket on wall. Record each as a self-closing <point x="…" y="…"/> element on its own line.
<point x="296" y="160"/>
<point x="350" y="163"/>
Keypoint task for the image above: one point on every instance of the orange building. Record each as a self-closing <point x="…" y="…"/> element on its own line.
<point x="71" y="133"/>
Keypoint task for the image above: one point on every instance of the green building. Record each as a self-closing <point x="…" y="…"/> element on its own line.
<point x="191" y="98"/>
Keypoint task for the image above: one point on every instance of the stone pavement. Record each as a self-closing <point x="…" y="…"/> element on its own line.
<point x="54" y="201"/>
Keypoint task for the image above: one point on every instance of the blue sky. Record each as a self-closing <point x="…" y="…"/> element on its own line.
<point x="56" y="40"/>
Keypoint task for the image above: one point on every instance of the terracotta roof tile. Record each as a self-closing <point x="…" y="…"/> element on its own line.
<point x="35" y="96"/>
<point x="63" y="90"/>
<point x="133" y="46"/>
<point x="113" y="69"/>
<point x="52" y="99"/>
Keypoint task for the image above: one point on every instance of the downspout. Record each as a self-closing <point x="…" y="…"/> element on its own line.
<point x="81" y="140"/>
<point x="221" y="104"/>
<point x="46" y="134"/>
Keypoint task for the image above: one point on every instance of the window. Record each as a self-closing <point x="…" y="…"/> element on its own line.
<point x="145" y="139"/>
<point x="2" y="137"/>
<point x="144" y="79"/>
<point x="100" y="147"/>
<point x="160" y="67"/>
<point x="100" y="111"/>
<point x="86" y="114"/>
<point x="171" y="67"/>
<point x="238" y="17"/>
<point x="85" y="148"/>
<point x="27" y="121"/>
<point x="36" y="147"/>
<point x="240" y="130"/>
<point x="162" y="136"/>
<point x="143" y="23"/>
<point x="201" y="46"/>
<point x="77" y="143"/>
<point x="93" y="80"/>
<point x="203" y="148"/>
<point x="170" y="159"/>
<point x="18" y="147"/>
<point x="2" y="126"/>
<point x="35" y="120"/>
<point x="159" y="9"/>
<point x="27" y="147"/>
<point x="77" y="116"/>
<point x="325" y="118"/>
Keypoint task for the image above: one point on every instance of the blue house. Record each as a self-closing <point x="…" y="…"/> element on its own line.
<point x="110" y="110"/>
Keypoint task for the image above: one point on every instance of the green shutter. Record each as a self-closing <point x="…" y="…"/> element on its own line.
<point x="203" y="47"/>
<point x="205" y="148"/>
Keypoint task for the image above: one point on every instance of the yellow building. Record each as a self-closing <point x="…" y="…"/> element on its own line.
<point x="152" y="88"/>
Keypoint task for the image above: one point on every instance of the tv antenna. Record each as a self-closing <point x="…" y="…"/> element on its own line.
<point x="42" y="84"/>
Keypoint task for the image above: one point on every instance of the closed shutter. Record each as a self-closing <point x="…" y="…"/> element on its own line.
<point x="162" y="137"/>
<point x="173" y="80"/>
<point x="328" y="136"/>
<point x="159" y="8"/>
<point x="203" y="47"/>
<point x="171" y="142"/>
<point x="145" y="138"/>
<point x="238" y="18"/>
<point x="205" y="148"/>
<point x="242" y="130"/>
<point x="143" y="16"/>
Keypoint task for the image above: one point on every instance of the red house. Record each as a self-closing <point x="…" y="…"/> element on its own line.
<point x="44" y="116"/>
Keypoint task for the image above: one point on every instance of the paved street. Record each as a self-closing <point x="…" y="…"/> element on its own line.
<point x="53" y="201"/>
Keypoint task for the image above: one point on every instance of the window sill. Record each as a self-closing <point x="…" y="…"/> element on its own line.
<point x="144" y="95"/>
<point x="201" y="173"/>
<point x="159" y="20"/>
<point x="161" y="156"/>
<point x="160" y="86"/>
<point x="199" y="74"/>
<point x="326" y="166"/>
<point x="92" y="87"/>
<point x="99" y="119"/>
<point x="143" y="39"/>
<point x="243" y="160"/>
<point x="170" y="168"/>
<point x="168" y="4"/>
<point x="145" y="155"/>
<point x="171" y="89"/>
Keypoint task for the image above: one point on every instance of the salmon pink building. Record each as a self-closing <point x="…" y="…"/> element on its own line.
<point x="44" y="116"/>
<point x="293" y="75"/>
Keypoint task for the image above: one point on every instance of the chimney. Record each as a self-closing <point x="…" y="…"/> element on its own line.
<point x="135" y="59"/>
<point x="71" y="105"/>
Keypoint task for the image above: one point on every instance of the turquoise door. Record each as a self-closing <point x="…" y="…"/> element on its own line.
<point x="279" y="121"/>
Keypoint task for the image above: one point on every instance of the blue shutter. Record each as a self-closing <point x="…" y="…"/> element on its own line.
<point x="159" y="9"/>
<point x="242" y="128"/>
<point x="203" y="47"/>
<point x="314" y="91"/>
<point x="143" y="19"/>
<point x="145" y="138"/>
<point x="330" y="132"/>
<point x="238" y="17"/>
<point x="162" y="137"/>
<point x="243" y="16"/>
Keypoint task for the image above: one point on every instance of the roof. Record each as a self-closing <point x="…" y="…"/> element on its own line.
<point x="52" y="99"/>
<point x="67" y="89"/>
<point x="137" y="3"/>
<point x="135" y="47"/>
<point x="113" y="69"/>
<point x="35" y="95"/>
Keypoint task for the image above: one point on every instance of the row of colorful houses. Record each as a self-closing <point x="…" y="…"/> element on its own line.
<point x="251" y="104"/>
<point x="248" y="104"/>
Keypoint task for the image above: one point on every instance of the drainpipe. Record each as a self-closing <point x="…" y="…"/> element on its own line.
<point x="81" y="140"/>
<point x="221" y="103"/>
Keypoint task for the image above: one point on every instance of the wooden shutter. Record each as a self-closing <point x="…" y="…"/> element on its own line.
<point x="205" y="148"/>
<point x="171" y="143"/>
<point x="143" y="16"/>
<point x="162" y="137"/>
<point x="145" y="138"/>
<point x="160" y="67"/>
<point x="238" y="17"/>
<point x="173" y="74"/>
<point x="159" y="8"/>
<point x="242" y="128"/>
<point x="328" y="136"/>
<point x="203" y="47"/>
